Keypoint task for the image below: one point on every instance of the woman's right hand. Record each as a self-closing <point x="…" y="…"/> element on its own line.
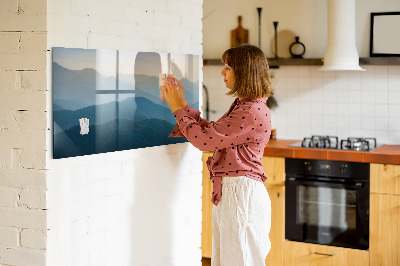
<point x="181" y="91"/>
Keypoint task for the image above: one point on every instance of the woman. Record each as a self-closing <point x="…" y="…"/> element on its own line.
<point x="242" y="208"/>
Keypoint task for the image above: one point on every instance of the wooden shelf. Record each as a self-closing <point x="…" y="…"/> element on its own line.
<point x="274" y="63"/>
<point x="380" y="61"/>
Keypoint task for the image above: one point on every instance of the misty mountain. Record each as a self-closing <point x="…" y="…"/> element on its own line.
<point x="72" y="104"/>
<point x="134" y="108"/>
<point x="107" y="137"/>
<point x="57" y="107"/>
<point x="73" y="89"/>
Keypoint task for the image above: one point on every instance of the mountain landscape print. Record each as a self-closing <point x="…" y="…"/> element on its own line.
<point x="109" y="100"/>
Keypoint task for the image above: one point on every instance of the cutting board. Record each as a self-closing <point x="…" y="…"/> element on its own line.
<point x="239" y="35"/>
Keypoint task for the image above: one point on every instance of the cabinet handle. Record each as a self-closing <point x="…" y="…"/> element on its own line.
<point x="325" y="254"/>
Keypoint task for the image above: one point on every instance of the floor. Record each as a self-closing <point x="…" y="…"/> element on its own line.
<point x="206" y="261"/>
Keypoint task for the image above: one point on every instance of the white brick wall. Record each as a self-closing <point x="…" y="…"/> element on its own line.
<point x="136" y="207"/>
<point x="23" y="132"/>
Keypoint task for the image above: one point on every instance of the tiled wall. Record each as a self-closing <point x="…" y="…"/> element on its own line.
<point x="339" y="103"/>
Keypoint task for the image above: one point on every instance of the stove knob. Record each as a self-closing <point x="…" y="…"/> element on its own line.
<point x="308" y="166"/>
<point x="343" y="168"/>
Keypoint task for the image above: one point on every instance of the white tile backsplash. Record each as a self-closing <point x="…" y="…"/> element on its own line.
<point x="291" y="71"/>
<point x="381" y="83"/>
<point x="367" y="109"/>
<point x="367" y="123"/>
<point x="394" y="110"/>
<point x="393" y="71"/>
<point x="394" y="137"/>
<point x="329" y="109"/>
<point x="342" y="109"/>
<point x="394" y="97"/>
<point x="304" y="82"/>
<point x="381" y="110"/>
<point x="380" y="71"/>
<point x="367" y="96"/>
<point x="382" y="136"/>
<point x="343" y="103"/>
<point x="292" y="83"/>
<point x="381" y="97"/>
<point x="394" y="82"/>
<point x="394" y="123"/>
<point x="342" y="123"/>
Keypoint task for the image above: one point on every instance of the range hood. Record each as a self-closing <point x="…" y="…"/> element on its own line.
<point x="341" y="51"/>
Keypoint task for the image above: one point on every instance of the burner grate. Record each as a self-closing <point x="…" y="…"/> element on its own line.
<point x="358" y="144"/>
<point x="332" y="142"/>
<point x="327" y="142"/>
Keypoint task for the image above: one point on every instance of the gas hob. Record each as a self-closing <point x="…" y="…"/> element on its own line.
<point x="332" y="142"/>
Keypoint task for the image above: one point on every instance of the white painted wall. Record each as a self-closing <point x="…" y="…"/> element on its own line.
<point x="305" y="18"/>
<point x="136" y="207"/>
<point x="23" y="133"/>
<point x="311" y="102"/>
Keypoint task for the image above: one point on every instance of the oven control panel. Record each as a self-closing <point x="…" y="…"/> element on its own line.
<point x="338" y="169"/>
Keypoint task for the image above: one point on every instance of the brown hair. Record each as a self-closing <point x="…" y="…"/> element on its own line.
<point x="250" y="66"/>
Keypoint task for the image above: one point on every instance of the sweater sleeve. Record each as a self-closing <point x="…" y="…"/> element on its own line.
<point x="193" y="113"/>
<point x="231" y="130"/>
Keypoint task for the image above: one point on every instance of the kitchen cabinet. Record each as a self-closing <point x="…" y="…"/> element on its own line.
<point x="274" y="168"/>
<point x="385" y="178"/>
<point x="277" y="233"/>
<point x="385" y="214"/>
<point x="305" y="254"/>
<point x="206" y="225"/>
<point x="384" y="248"/>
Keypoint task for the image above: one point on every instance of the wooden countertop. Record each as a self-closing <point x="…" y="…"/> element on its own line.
<point x="389" y="154"/>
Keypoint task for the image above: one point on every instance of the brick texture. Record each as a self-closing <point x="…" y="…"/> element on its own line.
<point x="23" y="63"/>
<point x="9" y="237"/>
<point x="33" y="239"/>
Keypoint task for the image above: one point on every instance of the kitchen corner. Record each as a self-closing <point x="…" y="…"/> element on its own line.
<point x="382" y="212"/>
<point x="331" y="205"/>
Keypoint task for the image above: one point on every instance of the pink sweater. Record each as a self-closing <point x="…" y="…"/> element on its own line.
<point x="238" y="139"/>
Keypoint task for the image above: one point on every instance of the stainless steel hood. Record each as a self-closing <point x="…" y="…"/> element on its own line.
<point x="341" y="51"/>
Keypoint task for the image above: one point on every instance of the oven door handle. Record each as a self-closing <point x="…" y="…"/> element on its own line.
<point x="357" y="185"/>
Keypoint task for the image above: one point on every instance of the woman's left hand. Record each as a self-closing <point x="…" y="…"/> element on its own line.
<point x="171" y="96"/>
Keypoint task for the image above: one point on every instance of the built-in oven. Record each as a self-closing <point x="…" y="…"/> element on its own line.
<point x="327" y="202"/>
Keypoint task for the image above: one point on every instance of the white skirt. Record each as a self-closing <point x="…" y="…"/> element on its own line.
<point x="241" y="223"/>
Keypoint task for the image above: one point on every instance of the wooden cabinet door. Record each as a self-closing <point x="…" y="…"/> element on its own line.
<point x="305" y="254"/>
<point x="274" y="168"/>
<point x="277" y="233"/>
<point x="385" y="178"/>
<point x="206" y="226"/>
<point x="384" y="236"/>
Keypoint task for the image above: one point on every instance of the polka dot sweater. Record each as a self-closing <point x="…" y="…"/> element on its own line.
<point x="238" y="139"/>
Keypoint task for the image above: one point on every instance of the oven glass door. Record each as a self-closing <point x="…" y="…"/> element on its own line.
<point x="326" y="207"/>
<point x="326" y="213"/>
